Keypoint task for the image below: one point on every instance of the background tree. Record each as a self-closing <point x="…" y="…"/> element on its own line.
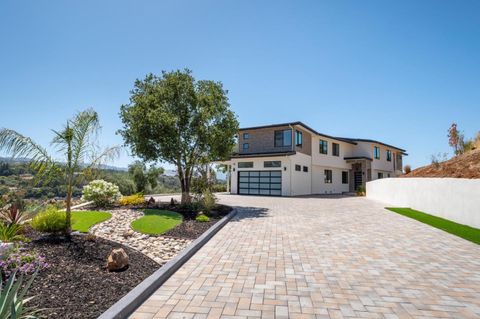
<point x="176" y="119"/>
<point x="144" y="179"/>
<point x="80" y="155"/>
<point x="136" y="171"/>
<point x="455" y="138"/>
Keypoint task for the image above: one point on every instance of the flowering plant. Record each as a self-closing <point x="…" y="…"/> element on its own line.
<point x="22" y="263"/>
<point x="101" y="192"/>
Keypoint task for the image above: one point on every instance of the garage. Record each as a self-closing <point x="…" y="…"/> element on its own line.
<point x="267" y="183"/>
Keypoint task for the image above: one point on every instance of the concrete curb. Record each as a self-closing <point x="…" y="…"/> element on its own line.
<point x="131" y="301"/>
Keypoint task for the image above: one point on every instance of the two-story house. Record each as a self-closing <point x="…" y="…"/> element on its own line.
<point x="293" y="159"/>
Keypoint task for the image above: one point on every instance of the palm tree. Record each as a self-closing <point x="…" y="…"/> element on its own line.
<point x="75" y="141"/>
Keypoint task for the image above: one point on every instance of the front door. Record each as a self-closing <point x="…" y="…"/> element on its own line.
<point x="357" y="179"/>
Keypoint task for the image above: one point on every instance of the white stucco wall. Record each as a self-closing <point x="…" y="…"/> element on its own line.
<point x="455" y="199"/>
<point x="301" y="182"/>
<point x="346" y="150"/>
<point x="318" y="181"/>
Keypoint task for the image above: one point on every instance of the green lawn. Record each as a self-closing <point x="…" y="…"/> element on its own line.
<point x="156" y="221"/>
<point x="83" y="220"/>
<point x="466" y="232"/>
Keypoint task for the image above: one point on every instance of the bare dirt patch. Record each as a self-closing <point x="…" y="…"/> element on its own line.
<point x="461" y="166"/>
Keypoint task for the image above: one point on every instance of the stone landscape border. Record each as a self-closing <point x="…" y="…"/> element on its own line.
<point x="131" y="301"/>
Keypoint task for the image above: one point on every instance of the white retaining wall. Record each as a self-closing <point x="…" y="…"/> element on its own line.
<point x="455" y="199"/>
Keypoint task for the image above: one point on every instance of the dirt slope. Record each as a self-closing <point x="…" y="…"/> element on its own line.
<point x="462" y="166"/>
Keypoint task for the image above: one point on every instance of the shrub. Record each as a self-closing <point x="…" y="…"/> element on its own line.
<point x="208" y="201"/>
<point x="13" y="209"/>
<point x="50" y="221"/>
<point x="408" y="169"/>
<point x="193" y="206"/>
<point x="202" y="218"/>
<point x="132" y="200"/>
<point x="361" y="191"/>
<point x="219" y="188"/>
<point x="13" y="299"/>
<point x="102" y="193"/>
<point x="12" y="214"/>
<point x="11" y="232"/>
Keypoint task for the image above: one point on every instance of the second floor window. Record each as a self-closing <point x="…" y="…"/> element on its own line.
<point x="283" y="138"/>
<point x="336" y="149"/>
<point x="298" y="168"/>
<point x="246" y="136"/>
<point x="298" y="138"/>
<point x="376" y="152"/>
<point x="389" y="155"/>
<point x="246" y="146"/>
<point x="328" y="176"/>
<point x="323" y="147"/>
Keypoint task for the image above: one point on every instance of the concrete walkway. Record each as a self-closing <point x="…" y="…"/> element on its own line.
<point x="322" y="258"/>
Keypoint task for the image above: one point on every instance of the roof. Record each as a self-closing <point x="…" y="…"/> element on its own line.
<point x="263" y="154"/>
<point x="376" y="142"/>
<point x="342" y="139"/>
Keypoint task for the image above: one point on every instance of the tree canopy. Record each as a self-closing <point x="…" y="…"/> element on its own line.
<point x="175" y="119"/>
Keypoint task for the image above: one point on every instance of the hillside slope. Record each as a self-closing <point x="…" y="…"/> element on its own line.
<point x="461" y="166"/>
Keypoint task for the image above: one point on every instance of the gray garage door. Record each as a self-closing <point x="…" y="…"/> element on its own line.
<point x="260" y="183"/>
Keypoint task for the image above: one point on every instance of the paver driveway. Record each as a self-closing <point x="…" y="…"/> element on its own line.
<point x="323" y="258"/>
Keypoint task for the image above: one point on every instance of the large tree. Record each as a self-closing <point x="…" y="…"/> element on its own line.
<point x="175" y="119"/>
<point x="76" y="142"/>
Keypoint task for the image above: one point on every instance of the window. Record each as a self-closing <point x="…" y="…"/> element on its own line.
<point x="336" y="149"/>
<point x="246" y="146"/>
<point x="389" y="155"/>
<point x="328" y="176"/>
<point x="245" y="164"/>
<point x="246" y="136"/>
<point x="305" y="168"/>
<point x="344" y="177"/>
<point x="272" y="164"/>
<point x="298" y="168"/>
<point x="376" y="152"/>
<point x="298" y="138"/>
<point x="380" y="175"/>
<point x="283" y="138"/>
<point x="323" y="147"/>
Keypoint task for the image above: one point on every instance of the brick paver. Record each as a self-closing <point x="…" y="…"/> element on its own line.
<point x="322" y="258"/>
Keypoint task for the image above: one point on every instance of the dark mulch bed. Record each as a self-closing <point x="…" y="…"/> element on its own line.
<point x="77" y="285"/>
<point x="190" y="228"/>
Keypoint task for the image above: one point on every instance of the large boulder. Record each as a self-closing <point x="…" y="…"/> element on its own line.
<point x="117" y="260"/>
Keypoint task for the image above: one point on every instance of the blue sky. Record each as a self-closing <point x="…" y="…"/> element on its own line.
<point x="399" y="72"/>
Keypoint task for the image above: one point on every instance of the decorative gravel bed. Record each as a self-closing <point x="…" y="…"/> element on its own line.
<point x="77" y="285"/>
<point x="159" y="248"/>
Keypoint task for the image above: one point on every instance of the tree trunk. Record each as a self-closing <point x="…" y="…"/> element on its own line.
<point x="68" y="228"/>
<point x="185" y="190"/>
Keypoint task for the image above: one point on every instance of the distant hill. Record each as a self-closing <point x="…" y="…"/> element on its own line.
<point x="21" y="160"/>
<point x="461" y="166"/>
